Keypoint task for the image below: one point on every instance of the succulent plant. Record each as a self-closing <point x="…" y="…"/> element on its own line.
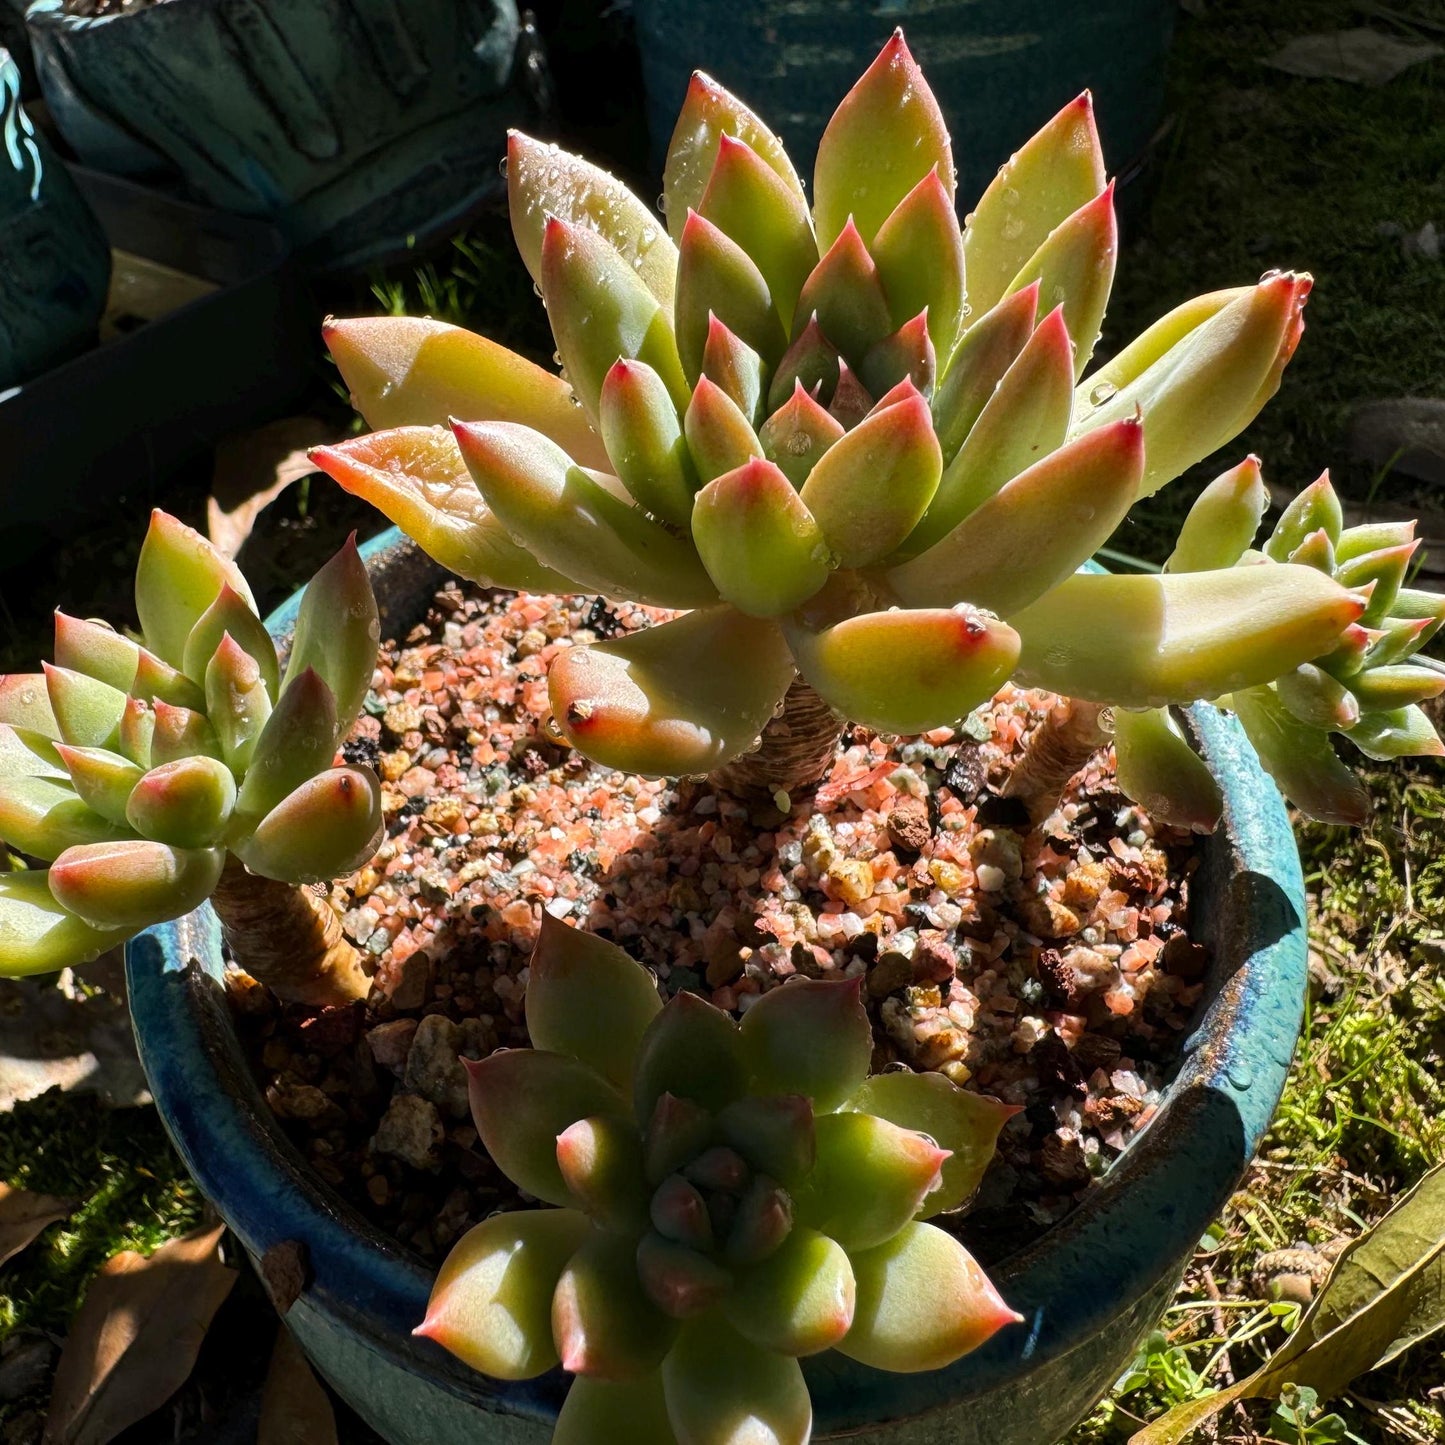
<point x="726" y="1200"/>
<point x="153" y="773"/>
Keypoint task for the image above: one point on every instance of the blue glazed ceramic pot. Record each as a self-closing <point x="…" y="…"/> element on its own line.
<point x="1089" y="1289"/>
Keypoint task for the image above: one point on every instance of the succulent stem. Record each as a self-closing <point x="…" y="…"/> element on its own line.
<point x="1070" y="734"/>
<point x="796" y="750"/>
<point x="286" y="938"/>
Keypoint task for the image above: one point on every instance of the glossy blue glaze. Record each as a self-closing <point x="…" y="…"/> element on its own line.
<point x="1089" y="1289"/>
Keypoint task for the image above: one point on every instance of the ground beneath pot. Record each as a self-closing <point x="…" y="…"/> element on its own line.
<point x="1045" y="964"/>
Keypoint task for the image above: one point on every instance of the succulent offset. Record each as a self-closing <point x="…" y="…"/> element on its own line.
<point x="727" y="1199"/>
<point x="134" y="768"/>
<point x="853" y="444"/>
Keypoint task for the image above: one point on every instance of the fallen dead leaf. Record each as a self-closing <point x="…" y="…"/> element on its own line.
<point x="252" y="469"/>
<point x="295" y="1408"/>
<point x="23" y="1215"/>
<point x="135" y="1338"/>
<point x="1362" y="55"/>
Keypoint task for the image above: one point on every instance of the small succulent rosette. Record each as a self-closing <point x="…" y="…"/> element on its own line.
<point x="134" y="767"/>
<point x="727" y="1199"/>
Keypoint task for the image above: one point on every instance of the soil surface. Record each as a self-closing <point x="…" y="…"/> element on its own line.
<point x="1045" y="963"/>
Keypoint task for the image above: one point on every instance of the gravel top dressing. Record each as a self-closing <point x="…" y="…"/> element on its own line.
<point x="1046" y="964"/>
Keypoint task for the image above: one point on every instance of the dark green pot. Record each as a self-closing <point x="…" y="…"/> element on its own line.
<point x="1089" y="1289"/>
<point x="1000" y="68"/>
<point x="351" y="124"/>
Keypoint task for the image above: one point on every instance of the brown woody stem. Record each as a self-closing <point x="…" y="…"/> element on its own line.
<point x="288" y="939"/>
<point x="1070" y="734"/>
<point x="797" y="749"/>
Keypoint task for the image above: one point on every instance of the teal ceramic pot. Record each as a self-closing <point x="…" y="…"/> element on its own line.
<point x="350" y="124"/>
<point x="1089" y="1289"/>
<point x="1000" y="68"/>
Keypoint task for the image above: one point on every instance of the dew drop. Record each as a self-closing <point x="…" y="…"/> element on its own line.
<point x="1270" y="274"/>
<point x="553" y="729"/>
<point x="502" y="167"/>
<point x="1013" y="228"/>
<point x="1101" y="393"/>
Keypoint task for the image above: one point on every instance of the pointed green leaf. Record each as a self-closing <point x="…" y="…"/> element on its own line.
<point x="186" y="803"/>
<point x="644" y="439"/>
<point x="600" y="1160"/>
<point x="1385" y="568"/>
<point x="86" y="712"/>
<point x="922" y="1303"/>
<point x="919" y="254"/>
<point x="797" y="434"/>
<point x="601" y="309"/>
<point x="587" y="998"/>
<point x="1060" y="169"/>
<point x="681" y="1282"/>
<point x="1411" y="604"/>
<point x="723" y="1390"/>
<point x="1316" y="551"/>
<point x="1356" y="541"/>
<point x="691" y="1050"/>
<point x="132" y="884"/>
<point x="1035" y="530"/>
<point x="491" y="1305"/>
<point x="733" y="365"/>
<point x="544" y="180"/>
<point x="906" y="355"/>
<point x="1025" y="419"/>
<point x="810" y="1038"/>
<point x="415" y="476"/>
<point x="871" y="1178"/>
<point x="178" y="732"/>
<point x="406" y="371"/>
<point x="297" y="742"/>
<point x="1160" y="771"/>
<point x="886" y="135"/>
<point x="602" y="1321"/>
<point x="103" y="780"/>
<point x="708" y="113"/>
<point x="758" y="540"/>
<point x="230" y="613"/>
<point x="1318" y="699"/>
<point x="328" y="827"/>
<point x="774" y="1133"/>
<point x="1405" y="732"/>
<point x="845" y="295"/>
<point x="907" y="671"/>
<point x="1397" y="641"/>
<point x="1383" y="689"/>
<point x="679" y="1213"/>
<point x="1147" y="641"/>
<point x="871" y="487"/>
<point x="42" y="817"/>
<point x="37" y="935"/>
<point x="763" y="1221"/>
<point x="965" y="1124"/>
<point x="719" y="437"/>
<point x="238" y="702"/>
<point x="799" y="1301"/>
<point x="610" y="1412"/>
<point x="678" y="1130"/>
<point x="137" y="731"/>
<point x="641" y="704"/>
<point x="575" y="524"/>
<point x="99" y="651"/>
<point x="811" y="362"/>
<point x="522" y="1099"/>
<point x="1221" y="524"/>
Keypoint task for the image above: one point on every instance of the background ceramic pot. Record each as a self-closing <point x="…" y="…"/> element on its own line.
<point x="1089" y="1289"/>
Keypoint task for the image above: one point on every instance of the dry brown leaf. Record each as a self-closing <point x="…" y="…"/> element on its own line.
<point x="252" y="469"/>
<point x="295" y="1409"/>
<point x="23" y="1215"/>
<point x="135" y="1338"/>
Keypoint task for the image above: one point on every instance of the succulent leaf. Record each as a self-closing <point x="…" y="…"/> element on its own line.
<point x="811" y="363"/>
<point x="1035" y="530"/>
<point x="297" y="741"/>
<point x="585" y="997"/>
<point x="42" y="817"/>
<point x="885" y="136"/>
<point x="601" y="1164"/>
<point x="906" y="355"/>
<point x="640" y="703"/>
<point x="1025" y="418"/>
<point x="491" y="1305"/>
<point x="679" y="1213"/>
<point x="1385" y="689"/>
<point x="614" y="1412"/>
<point x="25" y="703"/>
<point x="798" y="1301"/>
<point x="27" y="754"/>
<point x="238" y="702"/>
<point x="797" y="434"/>
<point x="919" y="254"/>
<point x="1356" y="541"/>
<point x="1160" y="771"/>
<point x="39" y="935"/>
<point x="851" y="399"/>
<point x="1386" y="568"/>
<point x="681" y="1282"/>
<point x="1060" y="169"/>
<point x="405" y="371"/>
<point x="1317" y="698"/>
<point x="906" y="671"/>
<point x="1221" y="524"/>
<point x="922" y="1303"/>
<point x="644" y="439"/>
<point x="186" y="803"/>
<point x="1404" y="732"/>
<point x="522" y="1100"/>
<point x="761" y="545"/>
<point x="763" y="1220"/>
<point x="965" y="1124"/>
<point x="229" y="613"/>
<point x="733" y="365"/>
<point x="1301" y="760"/>
<point x="677" y="1131"/>
<point x="1147" y="641"/>
<point x="724" y="1390"/>
<point x="871" y="1178"/>
<point x="810" y="1038"/>
<point x="603" y="1322"/>
<point x="720" y="437"/>
<point x="1316" y="551"/>
<point x="326" y="828"/>
<point x="545" y="180"/>
<point x="845" y="294"/>
<point x="178" y="577"/>
<point x="179" y="732"/>
<point x="708" y="113"/>
<point x="87" y="713"/>
<point x="600" y="309"/>
<point x="415" y="476"/>
<point x="693" y="1051"/>
<point x="133" y="883"/>
<point x="96" y="649"/>
<point x="869" y="490"/>
<point x="773" y="1132"/>
<point x="137" y="731"/>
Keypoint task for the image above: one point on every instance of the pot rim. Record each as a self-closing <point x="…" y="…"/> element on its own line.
<point x="1140" y="1224"/>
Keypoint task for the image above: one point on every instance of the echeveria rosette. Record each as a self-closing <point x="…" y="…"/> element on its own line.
<point x="853" y="444"/>
<point x="725" y="1200"/>
<point x="133" y="767"/>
